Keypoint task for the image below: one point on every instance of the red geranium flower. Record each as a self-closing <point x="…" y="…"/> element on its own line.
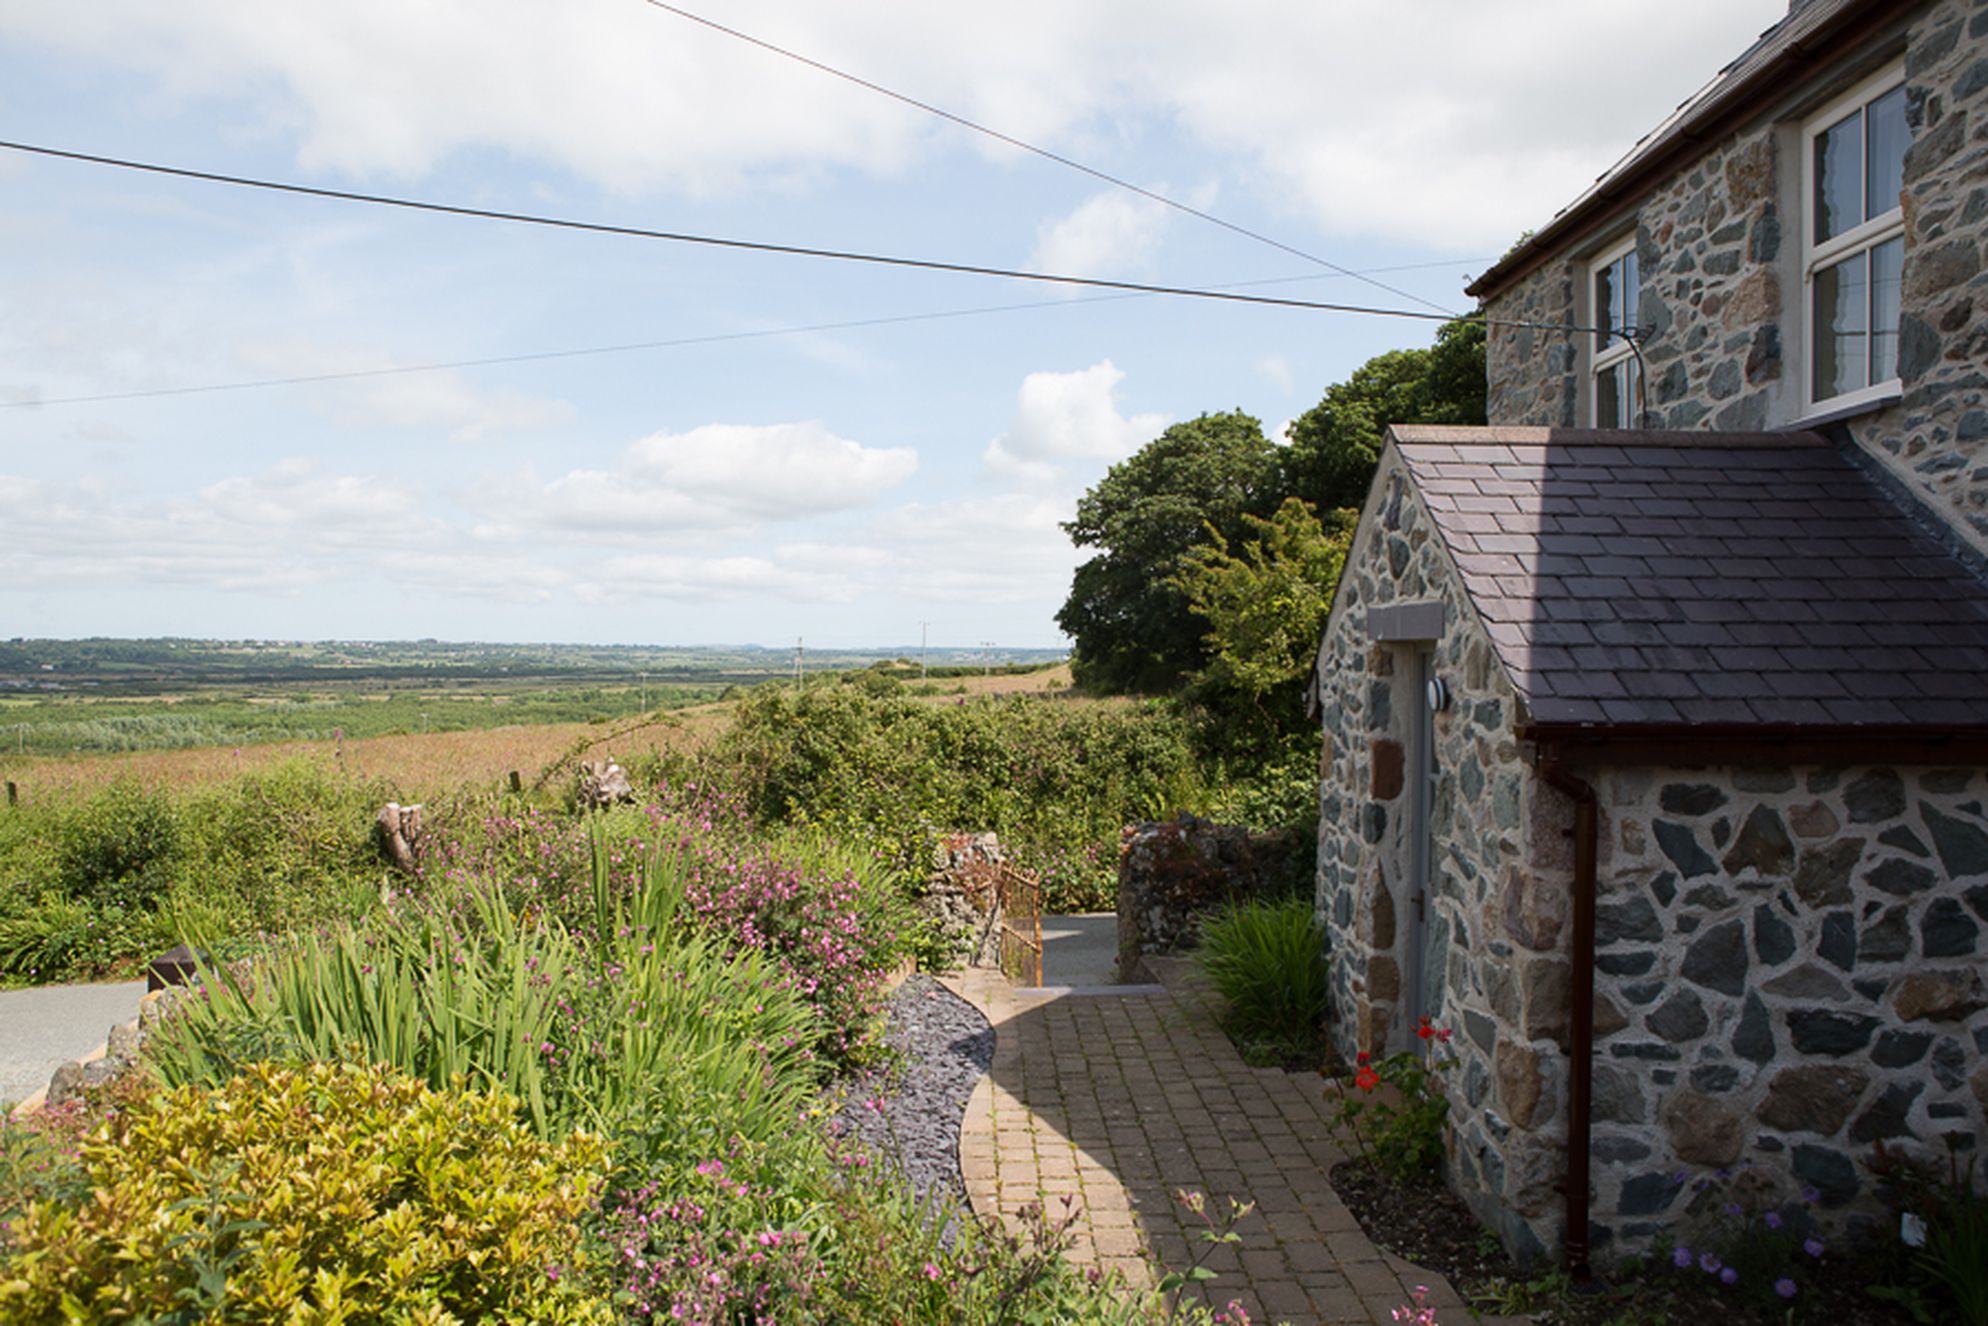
<point x="1366" y="1079"/>
<point x="1361" y="1058"/>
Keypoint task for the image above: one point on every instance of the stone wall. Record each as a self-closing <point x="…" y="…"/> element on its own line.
<point x="1174" y="872"/>
<point x="1495" y="944"/>
<point x="1789" y="961"/>
<point x="1722" y="294"/>
<point x="1790" y="970"/>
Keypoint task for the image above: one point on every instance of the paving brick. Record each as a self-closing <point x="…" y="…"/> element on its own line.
<point x="1143" y="1095"/>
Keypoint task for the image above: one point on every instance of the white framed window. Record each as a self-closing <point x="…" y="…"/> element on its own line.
<point x="1616" y="287"/>
<point x="1853" y="242"/>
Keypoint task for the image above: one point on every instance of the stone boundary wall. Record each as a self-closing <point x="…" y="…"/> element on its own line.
<point x="1722" y="298"/>
<point x="1174" y="872"/>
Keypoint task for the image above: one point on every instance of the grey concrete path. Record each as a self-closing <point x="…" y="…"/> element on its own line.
<point x="43" y="1028"/>
<point x="1080" y="951"/>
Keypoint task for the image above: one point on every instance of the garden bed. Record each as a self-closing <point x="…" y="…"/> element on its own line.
<point x="1430" y="1226"/>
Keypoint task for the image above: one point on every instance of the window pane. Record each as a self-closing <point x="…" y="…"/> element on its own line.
<point x="1889" y="138"/>
<point x="1887" y="262"/>
<point x="1839" y="177"/>
<point x="1840" y="309"/>
<point x="1608" y="312"/>
<point x="1631" y="292"/>
<point x="1608" y="397"/>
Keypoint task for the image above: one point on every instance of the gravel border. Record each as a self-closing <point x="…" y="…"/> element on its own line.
<point x="911" y="1110"/>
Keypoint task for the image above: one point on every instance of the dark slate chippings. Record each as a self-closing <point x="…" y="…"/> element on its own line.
<point x="946" y="1046"/>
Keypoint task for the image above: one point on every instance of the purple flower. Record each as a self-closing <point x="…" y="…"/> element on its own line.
<point x="1773" y="1219"/>
<point x="1681" y="1258"/>
<point x="1731" y="1208"/>
<point x="1810" y="1194"/>
<point x="1812" y="1246"/>
<point x="1729" y="1276"/>
<point x="1785" y="1287"/>
<point x="1708" y="1262"/>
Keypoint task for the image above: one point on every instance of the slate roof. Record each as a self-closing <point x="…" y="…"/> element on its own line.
<point x="1653" y="579"/>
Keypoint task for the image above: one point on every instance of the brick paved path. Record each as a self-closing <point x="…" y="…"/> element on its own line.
<point x="1119" y="1100"/>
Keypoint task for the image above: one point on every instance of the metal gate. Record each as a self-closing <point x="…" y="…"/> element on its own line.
<point x="1020" y="897"/>
<point x="1011" y="900"/>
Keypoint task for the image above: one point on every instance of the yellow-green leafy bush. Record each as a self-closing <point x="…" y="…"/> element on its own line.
<point x="326" y="1193"/>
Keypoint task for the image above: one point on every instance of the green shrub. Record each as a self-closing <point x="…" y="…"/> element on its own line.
<point x="118" y="847"/>
<point x="649" y="1018"/>
<point x="1056" y="782"/>
<point x="326" y="1193"/>
<point x="1267" y="961"/>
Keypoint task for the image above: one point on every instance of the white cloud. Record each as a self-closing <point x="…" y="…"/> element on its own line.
<point x="279" y="530"/>
<point x="719" y="476"/>
<point x="711" y="579"/>
<point x="1276" y="370"/>
<point x="1451" y="122"/>
<point x="1109" y="234"/>
<point x="1061" y="418"/>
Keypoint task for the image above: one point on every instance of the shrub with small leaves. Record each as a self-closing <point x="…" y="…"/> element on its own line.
<point x="328" y="1193"/>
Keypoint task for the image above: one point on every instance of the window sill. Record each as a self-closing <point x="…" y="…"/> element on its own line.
<point x="1834" y="414"/>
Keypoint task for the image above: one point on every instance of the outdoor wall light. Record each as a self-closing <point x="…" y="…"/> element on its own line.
<point x="1438" y="692"/>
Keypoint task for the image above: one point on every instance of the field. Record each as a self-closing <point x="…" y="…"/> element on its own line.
<point x="424" y="763"/>
<point x="421" y="714"/>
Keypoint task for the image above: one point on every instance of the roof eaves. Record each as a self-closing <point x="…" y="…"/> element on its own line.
<point x="1808" y="36"/>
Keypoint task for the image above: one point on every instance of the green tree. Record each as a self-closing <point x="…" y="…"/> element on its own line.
<point x="1127" y="614"/>
<point x="1336" y="444"/>
<point x="1264" y="608"/>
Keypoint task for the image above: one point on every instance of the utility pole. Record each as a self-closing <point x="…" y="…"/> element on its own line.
<point x="645" y="690"/>
<point x="923" y="628"/>
<point x="800" y="656"/>
<point x="987" y="656"/>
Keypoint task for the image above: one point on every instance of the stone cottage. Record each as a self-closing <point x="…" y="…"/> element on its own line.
<point x="1656" y="713"/>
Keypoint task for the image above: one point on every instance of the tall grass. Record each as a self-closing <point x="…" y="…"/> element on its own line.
<point x="1267" y="961"/>
<point x="646" y="1015"/>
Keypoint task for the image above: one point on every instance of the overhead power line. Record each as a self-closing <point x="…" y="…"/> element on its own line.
<point x="1043" y="152"/>
<point x="716" y="241"/>
<point x="715" y="338"/>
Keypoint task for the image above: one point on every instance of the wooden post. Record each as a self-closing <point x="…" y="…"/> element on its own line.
<point x="13" y="793"/>
<point x="517" y="783"/>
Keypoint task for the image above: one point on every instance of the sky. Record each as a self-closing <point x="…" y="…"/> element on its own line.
<point x="844" y="454"/>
